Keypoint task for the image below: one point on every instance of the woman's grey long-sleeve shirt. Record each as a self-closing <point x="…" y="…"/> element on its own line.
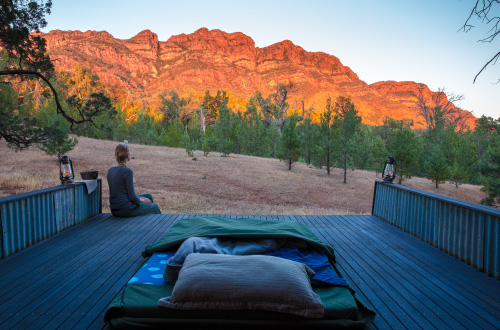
<point x="121" y="188"/>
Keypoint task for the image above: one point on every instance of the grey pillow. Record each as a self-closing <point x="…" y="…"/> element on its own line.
<point x="256" y="282"/>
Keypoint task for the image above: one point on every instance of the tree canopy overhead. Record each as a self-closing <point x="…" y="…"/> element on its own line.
<point x="27" y="58"/>
<point x="18" y="19"/>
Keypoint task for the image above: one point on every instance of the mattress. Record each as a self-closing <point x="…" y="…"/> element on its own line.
<point x="136" y="306"/>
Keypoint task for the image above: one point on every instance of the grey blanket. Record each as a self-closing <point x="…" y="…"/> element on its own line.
<point x="221" y="246"/>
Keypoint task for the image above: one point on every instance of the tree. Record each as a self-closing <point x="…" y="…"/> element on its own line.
<point x="18" y="18"/>
<point x="487" y="135"/>
<point x="274" y="108"/>
<point x="348" y="123"/>
<point x="306" y="132"/>
<point x="17" y="124"/>
<point x="211" y="105"/>
<point x="27" y="59"/>
<point x="378" y="153"/>
<point x="461" y="154"/>
<point x="437" y="168"/>
<point x="490" y="172"/>
<point x="404" y="146"/>
<point x="58" y="140"/>
<point x="289" y="144"/>
<point x="438" y="109"/>
<point x="257" y="141"/>
<point x="324" y="150"/>
<point x="223" y="130"/>
<point x="172" y="135"/>
<point x="484" y="11"/>
<point x="172" y="107"/>
<point x="209" y="141"/>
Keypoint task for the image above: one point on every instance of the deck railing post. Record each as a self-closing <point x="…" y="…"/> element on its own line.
<point x="468" y="231"/>
<point x="28" y="218"/>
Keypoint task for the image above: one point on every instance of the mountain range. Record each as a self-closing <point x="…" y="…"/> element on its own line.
<point x="215" y="60"/>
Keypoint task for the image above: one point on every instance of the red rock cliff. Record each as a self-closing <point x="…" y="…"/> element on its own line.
<point x="213" y="59"/>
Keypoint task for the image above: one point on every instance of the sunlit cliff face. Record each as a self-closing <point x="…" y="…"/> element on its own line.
<point x="213" y="60"/>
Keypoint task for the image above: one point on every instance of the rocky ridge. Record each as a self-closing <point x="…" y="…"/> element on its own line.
<point x="213" y="59"/>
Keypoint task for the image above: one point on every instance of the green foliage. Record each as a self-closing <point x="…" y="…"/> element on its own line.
<point x="256" y="141"/>
<point x="188" y="143"/>
<point x="223" y="130"/>
<point x="143" y="129"/>
<point x="274" y="108"/>
<point x="488" y="136"/>
<point x="172" y="107"/>
<point x="289" y="143"/>
<point x="491" y="179"/>
<point x="18" y="19"/>
<point x="171" y="136"/>
<point x="18" y="126"/>
<point x="437" y="168"/>
<point x="59" y="142"/>
<point x="404" y="146"/>
<point x="212" y="104"/>
<point x="56" y="129"/>
<point x="325" y="140"/>
<point x="273" y="138"/>
<point x="461" y="153"/>
<point x="306" y="132"/>
<point x="378" y="153"/>
<point x="348" y="123"/>
<point x="210" y="142"/>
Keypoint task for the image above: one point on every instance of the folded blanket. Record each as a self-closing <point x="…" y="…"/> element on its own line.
<point x="291" y="249"/>
<point x="220" y="246"/>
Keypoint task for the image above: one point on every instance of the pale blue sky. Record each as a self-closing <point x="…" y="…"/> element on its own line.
<point x="379" y="40"/>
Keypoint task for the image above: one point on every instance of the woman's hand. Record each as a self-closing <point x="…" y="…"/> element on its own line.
<point x="144" y="200"/>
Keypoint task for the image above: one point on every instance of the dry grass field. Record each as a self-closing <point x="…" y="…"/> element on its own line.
<point x="213" y="184"/>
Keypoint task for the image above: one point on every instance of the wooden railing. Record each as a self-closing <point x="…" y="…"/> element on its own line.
<point x="28" y="218"/>
<point x="465" y="230"/>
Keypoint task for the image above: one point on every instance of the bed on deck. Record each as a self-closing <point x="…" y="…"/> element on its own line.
<point x="226" y="273"/>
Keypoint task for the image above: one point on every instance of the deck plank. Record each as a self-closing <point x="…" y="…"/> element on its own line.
<point x="67" y="280"/>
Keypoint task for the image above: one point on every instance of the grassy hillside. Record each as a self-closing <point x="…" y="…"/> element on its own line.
<point x="215" y="185"/>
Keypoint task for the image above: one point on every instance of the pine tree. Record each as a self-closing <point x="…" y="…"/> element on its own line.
<point x="378" y="153"/>
<point x="404" y="146"/>
<point x="210" y="142"/>
<point x="437" y="167"/>
<point x="348" y="123"/>
<point x="58" y="140"/>
<point x="289" y="143"/>
<point x="461" y="151"/>
<point x="325" y="137"/>
<point x="223" y="130"/>
<point x="174" y="134"/>
<point x="273" y="138"/>
<point x="306" y="132"/>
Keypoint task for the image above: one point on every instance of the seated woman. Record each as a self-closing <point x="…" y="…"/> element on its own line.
<point x="123" y="201"/>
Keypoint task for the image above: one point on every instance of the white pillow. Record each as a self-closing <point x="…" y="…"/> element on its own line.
<point x="256" y="282"/>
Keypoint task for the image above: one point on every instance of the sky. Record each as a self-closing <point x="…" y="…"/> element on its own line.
<point x="399" y="40"/>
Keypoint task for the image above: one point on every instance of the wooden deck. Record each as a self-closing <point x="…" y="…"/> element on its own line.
<point x="67" y="281"/>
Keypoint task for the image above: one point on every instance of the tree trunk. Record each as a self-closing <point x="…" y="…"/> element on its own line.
<point x="345" y="169"/>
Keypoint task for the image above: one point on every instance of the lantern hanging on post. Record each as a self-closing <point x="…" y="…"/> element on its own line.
<point x="389" y="173"/>
<point x="66" y="173"/>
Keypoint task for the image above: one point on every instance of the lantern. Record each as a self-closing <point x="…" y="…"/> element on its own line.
<point x="66" y="170"/>
<point x="389" y="170"/>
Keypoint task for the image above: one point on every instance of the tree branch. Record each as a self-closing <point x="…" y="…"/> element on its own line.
<point x="493" y="59"/>
<point x="60" y="110"/>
